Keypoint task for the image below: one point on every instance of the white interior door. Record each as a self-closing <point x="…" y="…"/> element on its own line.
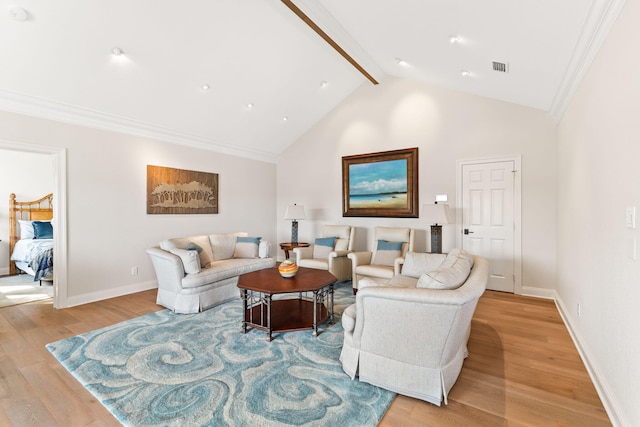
<point x="488" y="227"/>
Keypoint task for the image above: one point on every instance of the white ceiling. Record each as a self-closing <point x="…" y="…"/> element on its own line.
<point x="58" y="64"/>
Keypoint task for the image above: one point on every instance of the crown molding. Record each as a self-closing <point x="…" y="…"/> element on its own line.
<point x="600" y="20"/>
<point x="51" y="110"/>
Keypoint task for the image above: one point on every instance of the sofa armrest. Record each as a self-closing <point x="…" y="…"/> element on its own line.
<point x="168" y="267"/>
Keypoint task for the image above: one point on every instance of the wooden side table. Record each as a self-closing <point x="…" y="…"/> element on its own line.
<point x="288" y="246"/>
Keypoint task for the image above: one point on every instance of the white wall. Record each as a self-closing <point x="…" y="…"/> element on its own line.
<point x="446" y="126"/>
<point x="29" y="176"/>
<point x="108" y="228"/>
<point x="599" y="177"/>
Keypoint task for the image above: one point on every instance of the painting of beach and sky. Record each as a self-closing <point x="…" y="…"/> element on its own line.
<point x="378" y="185"/>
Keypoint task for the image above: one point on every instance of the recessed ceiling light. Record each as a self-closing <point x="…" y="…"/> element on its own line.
<point x="205" y="87"/>
<point x="465" y="73"/>
<point x="18" y="13"/>
<point x="116" y="51"/>
<point x="250" y="105"/>
<point x="324" y="84"/>
<point x="285" y="118"/>
<point x="401" y="62"/>
<point x="453" y="39"/>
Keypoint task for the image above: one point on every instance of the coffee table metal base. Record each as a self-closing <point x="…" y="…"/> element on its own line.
<point x="263" y="312"/>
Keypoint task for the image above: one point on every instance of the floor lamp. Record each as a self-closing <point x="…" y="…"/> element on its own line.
<point x="294" y="212"/>
<point x="436" y="215"/>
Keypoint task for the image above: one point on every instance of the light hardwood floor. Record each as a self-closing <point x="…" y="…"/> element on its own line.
<point x="523" y="369"/>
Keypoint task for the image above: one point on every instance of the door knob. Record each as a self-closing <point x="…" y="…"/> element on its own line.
<point x="466" y="231"/>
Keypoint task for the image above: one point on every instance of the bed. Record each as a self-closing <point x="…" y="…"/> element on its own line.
<point x="31" y="237"/>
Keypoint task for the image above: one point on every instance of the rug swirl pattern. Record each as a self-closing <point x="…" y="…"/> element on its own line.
<point x="166" y="369"/>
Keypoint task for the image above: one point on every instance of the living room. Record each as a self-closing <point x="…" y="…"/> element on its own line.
<point x="578" y="177"/>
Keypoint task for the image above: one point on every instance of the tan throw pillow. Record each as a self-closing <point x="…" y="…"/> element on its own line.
<point x="223" y="245"/>
<point x="451" y="274"/>
<point x="246" y="247"/>
<point x="323" y="246"/>
<point x="386" y="253"/>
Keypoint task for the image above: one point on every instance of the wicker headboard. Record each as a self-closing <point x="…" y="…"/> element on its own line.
<point x="41" y="209"/>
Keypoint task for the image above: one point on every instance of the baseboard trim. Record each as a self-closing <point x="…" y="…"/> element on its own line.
<point x="602" y="388"/>
<point x="110" y="293"/>
<point x="4" y="271"/>
<point x="546" y="293"/>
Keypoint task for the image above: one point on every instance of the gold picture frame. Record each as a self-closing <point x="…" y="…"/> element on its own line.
<point x="179" y="191"/>
<point x="383" y="184"/>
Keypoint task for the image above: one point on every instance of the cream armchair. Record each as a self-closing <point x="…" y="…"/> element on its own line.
<point x="332" y="259"/>
<point x="412" y="339"/>
<point x="378" y="264"/>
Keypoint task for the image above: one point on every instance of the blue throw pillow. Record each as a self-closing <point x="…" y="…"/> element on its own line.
<point x="42" y="230"/>
<point x="193" y="247"/>
<point x="387" y="252"/>
<point x="323" y="247"/>
<point x="247" y="247"/>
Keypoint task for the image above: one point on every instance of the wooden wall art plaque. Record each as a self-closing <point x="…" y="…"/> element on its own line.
<point x="179" y="191"/>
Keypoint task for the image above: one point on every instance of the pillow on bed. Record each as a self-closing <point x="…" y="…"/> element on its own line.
<point x="42" y="230"/>
<point x="26" y="229"/>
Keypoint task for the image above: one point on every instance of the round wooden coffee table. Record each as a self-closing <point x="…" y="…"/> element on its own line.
<point x="282" y="314"/>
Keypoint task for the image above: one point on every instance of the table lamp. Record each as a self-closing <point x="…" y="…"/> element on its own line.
<point x="436" y="215"/>
<point x="294" y="212"/>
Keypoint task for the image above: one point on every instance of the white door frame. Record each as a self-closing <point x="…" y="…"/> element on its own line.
<point x="59" y="158"/>
<point x="517" y="210"/>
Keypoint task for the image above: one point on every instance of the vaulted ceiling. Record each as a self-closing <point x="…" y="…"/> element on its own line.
<point x="249" y="77"/>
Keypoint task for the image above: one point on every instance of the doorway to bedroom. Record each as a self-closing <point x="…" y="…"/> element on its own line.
<point x="31" y="172"/>
<point x="29" y="176"/>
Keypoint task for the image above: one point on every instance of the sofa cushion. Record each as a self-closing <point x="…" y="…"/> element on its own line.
<point x="451" y="274"/>
<point x="246" y="247"/>
<point x="206" y="256"/>
<point x="416" y="264"/>
<point x="190" y="259"/>
<point x="323" y="247"/>
<point x="223" y="245"/>
<point x="220" y="270"/>
<point x="386" y="252"/>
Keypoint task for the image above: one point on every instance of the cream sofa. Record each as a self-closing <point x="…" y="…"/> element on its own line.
<point x="409" y="339"/>
<point x="196" y="273"/>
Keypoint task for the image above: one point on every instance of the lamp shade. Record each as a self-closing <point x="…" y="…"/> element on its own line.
<point x="295" y="212"/>
<point x="436" y="214"/>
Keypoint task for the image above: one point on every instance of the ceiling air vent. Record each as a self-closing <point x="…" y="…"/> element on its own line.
<point x="501" y="67"/>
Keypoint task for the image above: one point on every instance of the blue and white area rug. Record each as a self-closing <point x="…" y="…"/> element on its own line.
<point x="166" y="369"/>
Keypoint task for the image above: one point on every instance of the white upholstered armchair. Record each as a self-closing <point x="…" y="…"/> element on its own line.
<point x="329" y="254"/>
<point x="378" y="264"/>
<point x="409" y="339"/>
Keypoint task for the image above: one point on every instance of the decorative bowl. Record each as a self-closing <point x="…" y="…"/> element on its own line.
<point x="288" y="268"/>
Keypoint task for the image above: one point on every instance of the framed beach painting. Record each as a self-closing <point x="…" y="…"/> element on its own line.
<point x="381" y="184"/>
